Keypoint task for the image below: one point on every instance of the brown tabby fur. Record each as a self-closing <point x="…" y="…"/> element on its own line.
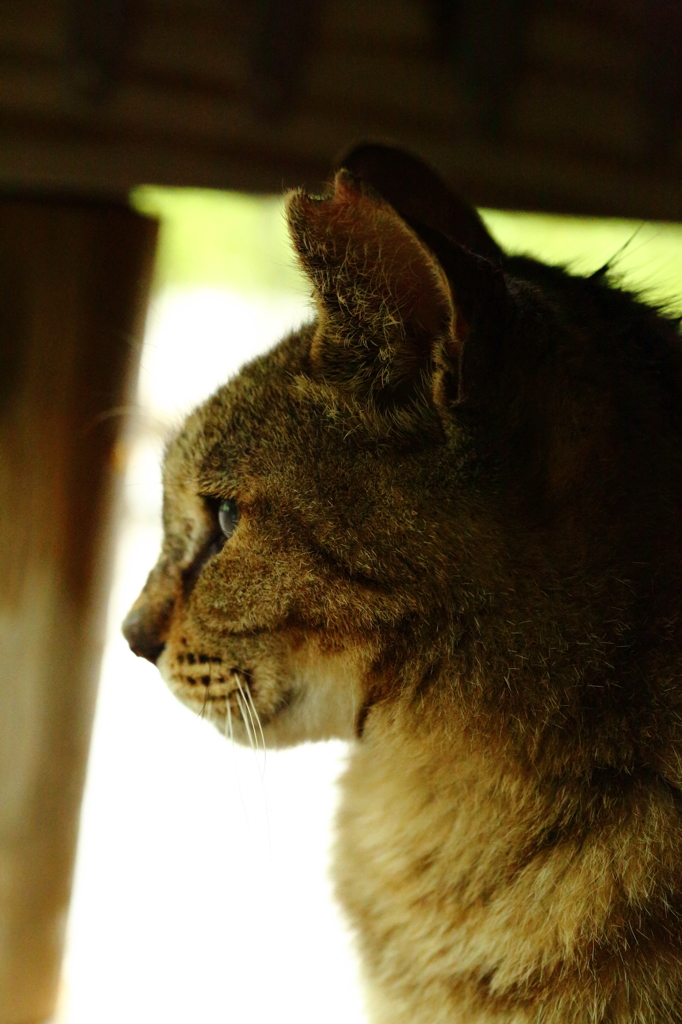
<point x="460" y="547"/>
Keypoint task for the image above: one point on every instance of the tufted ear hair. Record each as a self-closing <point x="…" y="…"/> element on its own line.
<point x="390" y="328"/>
<point x="420" y="196"/>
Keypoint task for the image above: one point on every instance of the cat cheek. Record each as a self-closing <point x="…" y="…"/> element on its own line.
<point x="248" y="595"/>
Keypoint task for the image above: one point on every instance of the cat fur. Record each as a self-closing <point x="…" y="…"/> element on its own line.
<point x="459" y="548"/>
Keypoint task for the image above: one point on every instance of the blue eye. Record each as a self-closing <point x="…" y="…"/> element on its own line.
<point x="228" y="516"/>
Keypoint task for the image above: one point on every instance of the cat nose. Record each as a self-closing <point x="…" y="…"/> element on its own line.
<point x="142" y="641"/>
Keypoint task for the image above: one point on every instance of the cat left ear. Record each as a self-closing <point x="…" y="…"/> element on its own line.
<point x="389" y="329"/>
<point x="421" y="196"/>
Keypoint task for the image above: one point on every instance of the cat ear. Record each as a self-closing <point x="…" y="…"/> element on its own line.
<point x="393" y="315"/>
<point x="420" y="196"/>
<point x="383" y="299"/>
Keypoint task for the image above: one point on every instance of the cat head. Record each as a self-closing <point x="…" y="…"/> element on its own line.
<point x="349" y="502"/>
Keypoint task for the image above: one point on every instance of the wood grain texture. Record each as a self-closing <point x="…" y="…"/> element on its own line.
<point x="575" y="133"/>
<point x="73" y="282"/>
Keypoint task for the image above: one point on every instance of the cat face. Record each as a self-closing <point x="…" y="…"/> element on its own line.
<point x="410" y="480"/>
<point x="280" y="625"/>
<point x="236" y="624"/>
<point x="318" y="451"/>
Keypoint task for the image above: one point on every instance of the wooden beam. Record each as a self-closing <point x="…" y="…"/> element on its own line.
<point x="580" y="97"/>
<point x="73" y="285"/>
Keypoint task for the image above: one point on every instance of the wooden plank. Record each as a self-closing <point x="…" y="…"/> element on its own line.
<point x="73" y="281"/>
<point x="183" y="112"/>
<point x="520" y="176"/>
<point x="582" y="120"/>
<point x="388" y="24"/>
<point x="33" y="27"/>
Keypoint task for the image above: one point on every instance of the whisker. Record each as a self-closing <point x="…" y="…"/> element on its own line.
<point x="245" y="719"/>
<point x="229" y="733"/>
<point x="203" y="706"/>
<point x="255" y="720"/>
<point x="248" y="700"/>
<point x="256" y="716"/>
<point x="116" y="412"/>
<point x="246" y="703"/>
<point x="626" y="244"/>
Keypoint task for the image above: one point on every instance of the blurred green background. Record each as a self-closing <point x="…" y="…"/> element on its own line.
<point x="235" y="241"/>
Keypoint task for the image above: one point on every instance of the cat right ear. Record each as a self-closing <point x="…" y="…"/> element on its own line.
<point x="404" y="322"/>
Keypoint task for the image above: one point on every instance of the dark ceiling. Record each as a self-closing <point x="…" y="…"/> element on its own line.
<point x="565" y="105"/>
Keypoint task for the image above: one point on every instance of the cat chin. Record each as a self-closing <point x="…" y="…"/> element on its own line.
<point x="326" y="698"/>
<point x="313" y="695"/>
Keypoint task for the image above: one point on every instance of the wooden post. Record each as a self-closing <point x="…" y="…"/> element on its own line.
<point x="74" y="277"/>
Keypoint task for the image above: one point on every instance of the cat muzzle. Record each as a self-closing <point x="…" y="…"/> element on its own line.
<point x="141" y="641"/>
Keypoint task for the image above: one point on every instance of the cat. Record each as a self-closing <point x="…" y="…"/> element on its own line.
<point x="442" y="521"/>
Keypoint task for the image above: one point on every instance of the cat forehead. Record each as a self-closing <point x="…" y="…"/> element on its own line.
<point x="211" y="440"/>
<point x="256" y="405"/>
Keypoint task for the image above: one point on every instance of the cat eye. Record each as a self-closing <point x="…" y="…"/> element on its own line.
<point x="228" y="516"/>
